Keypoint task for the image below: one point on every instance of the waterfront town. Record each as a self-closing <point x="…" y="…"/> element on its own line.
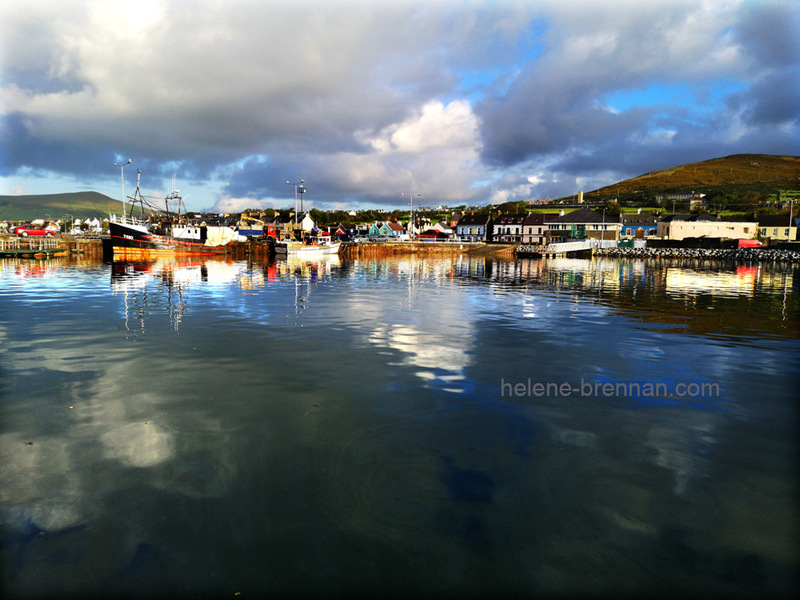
<point x="603" y="226"/>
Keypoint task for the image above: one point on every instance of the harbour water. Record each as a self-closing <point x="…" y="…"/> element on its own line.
<point x="440" y="426"/>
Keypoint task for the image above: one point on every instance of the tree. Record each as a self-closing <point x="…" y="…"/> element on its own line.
<point x="753" y="197"/>
<point x="320" y="217"/>
<point x="612" y="208"/>
<point x="513" y="208"/>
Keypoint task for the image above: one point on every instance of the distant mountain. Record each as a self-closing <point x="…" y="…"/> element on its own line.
<point x="740" y="172"/>
<point x="81" y="205"/>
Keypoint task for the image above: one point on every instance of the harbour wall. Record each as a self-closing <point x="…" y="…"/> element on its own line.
<point x="100" y="248"/>
<point x="89" y="248"/>
<point x="422" y="249"/>
<point x="719" y="254"/>
<point x="258" y="250"/>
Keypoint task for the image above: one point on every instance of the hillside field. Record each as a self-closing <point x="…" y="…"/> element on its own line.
<point x="739" y="172"/>
<point x="78" y="204"/>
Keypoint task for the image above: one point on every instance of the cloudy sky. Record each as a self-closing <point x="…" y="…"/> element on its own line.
<point x="459" y="101"/>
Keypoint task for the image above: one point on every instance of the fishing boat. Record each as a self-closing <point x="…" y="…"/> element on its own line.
<point x="310" y="246"/>
<point x="160" y="231"/>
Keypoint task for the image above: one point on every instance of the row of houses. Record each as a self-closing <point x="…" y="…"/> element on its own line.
<point x="585" y="223"/>
<point x="541" y="229"/>
<point x="537" y="228"/>
<point x="74" y="226"/>
<point x="304" y="224"/>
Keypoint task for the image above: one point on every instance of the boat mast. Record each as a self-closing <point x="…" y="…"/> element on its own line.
<point x="137" y="193"/>
<point x="122" y="177"/>
<point x="177" y="195"/>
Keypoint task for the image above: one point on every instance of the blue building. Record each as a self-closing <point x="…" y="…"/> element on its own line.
<point x="642" y="225"/>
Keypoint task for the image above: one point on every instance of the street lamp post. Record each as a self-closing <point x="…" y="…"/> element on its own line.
<point x="300" y="184"/>
<point x="301" y="190"/>
<point x="122" y="177"/>
<point x="603" y="230"/>
<point x="410" y="210"/>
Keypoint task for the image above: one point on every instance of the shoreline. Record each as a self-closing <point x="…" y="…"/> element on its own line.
<point x="93" y="248"/>
<point x="744" y="255"/>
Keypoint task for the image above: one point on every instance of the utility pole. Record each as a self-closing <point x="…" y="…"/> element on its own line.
<point x="603" y="230"/>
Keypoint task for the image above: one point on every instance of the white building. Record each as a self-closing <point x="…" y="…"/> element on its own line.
<point x="679" y="227"/>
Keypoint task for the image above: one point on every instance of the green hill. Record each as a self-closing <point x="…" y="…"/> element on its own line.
<point x="83" y="205"/>
<point x="737" y="173"/>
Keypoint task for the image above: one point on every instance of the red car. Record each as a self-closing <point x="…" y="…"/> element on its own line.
<point x="26" y="230"/>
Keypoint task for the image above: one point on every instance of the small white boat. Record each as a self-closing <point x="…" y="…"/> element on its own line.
<point x="314" y="246"/>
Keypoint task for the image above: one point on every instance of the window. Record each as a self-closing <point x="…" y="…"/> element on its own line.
<point x="774" y="232"/>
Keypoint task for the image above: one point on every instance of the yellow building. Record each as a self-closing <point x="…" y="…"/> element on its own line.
<point x="777" y="228"/>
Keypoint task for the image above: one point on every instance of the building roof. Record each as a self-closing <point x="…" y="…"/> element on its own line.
<point x="640" y="219"/>
<point x="433" y="233"/>
<point x="510" y="220"/>
<point x="395" y="226"/>
<point x="670" y="218"/>
<point x="539" y="218"/>
<point x="774" y="221"/>
<point x="582" y="215"/>
<point x="474" y="220"/>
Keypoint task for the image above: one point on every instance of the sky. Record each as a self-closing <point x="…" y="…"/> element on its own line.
<point x="372" y="102"/>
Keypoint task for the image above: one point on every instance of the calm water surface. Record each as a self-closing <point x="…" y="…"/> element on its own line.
<point x="398" y="426"/>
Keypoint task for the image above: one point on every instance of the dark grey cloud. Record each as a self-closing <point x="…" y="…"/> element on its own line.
<point x="769" y="33"/>
<point x="462" y="101"/>
<point x="556" y="108"/>
<point x="772" y="101"/>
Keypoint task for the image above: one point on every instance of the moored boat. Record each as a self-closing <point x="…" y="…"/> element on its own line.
<point x="162" y="232"/>
<point x="312" y="246"/>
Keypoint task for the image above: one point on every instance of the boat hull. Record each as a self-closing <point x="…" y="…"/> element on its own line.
<point x="135" y="242"/>
<point x="298" y="249"/>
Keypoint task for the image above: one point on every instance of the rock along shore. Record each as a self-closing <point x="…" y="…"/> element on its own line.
<point x="731" y="255"/>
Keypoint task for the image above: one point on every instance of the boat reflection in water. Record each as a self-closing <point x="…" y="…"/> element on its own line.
<point x="154" y="285"/>
<point x="151" y="286"/>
